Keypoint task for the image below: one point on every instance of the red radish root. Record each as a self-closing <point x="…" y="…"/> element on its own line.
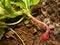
<point x="46" y="34"/>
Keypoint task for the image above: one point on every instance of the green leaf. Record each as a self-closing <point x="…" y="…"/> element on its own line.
<point x="0" y="4"/>
<point x="34" y="2"/>
<point x="26" y="3"/>
<point x="8" y="6"/>
<point x="31" y="2"/>
<point x="2" y="11"/>
<point x="7" y="3"/>
<point x="10" y="12"/>
<point x="20" y="3"/>
<point x="2" y="31"/>
<point x="26" y="22"/>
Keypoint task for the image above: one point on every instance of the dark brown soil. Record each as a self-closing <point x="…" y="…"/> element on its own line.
<point x="47" y="11"/>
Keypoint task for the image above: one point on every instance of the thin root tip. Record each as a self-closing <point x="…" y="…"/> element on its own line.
<point x="44" y="37"/>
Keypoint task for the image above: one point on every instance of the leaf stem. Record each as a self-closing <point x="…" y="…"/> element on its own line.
<point x="15" y="22"/>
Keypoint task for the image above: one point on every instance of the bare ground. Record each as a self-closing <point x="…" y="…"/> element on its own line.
<point x="47" y="11"/>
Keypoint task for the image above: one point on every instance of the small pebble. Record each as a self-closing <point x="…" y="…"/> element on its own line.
<point x="43" y="3"/>
<point x="57" y="24"/>
<point x="47" y="21"/>
<point x="44" y="12"/>
<point x="35" y="30"/>
<point x="57" y="30"/>
<point x="28" y="25"/>
<point x="51" y="26"/>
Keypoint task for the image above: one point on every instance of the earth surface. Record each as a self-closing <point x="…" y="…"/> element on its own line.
<point x="47" y="11"/>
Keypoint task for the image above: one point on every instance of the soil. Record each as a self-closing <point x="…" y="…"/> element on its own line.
<point x="47" y="11"/>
